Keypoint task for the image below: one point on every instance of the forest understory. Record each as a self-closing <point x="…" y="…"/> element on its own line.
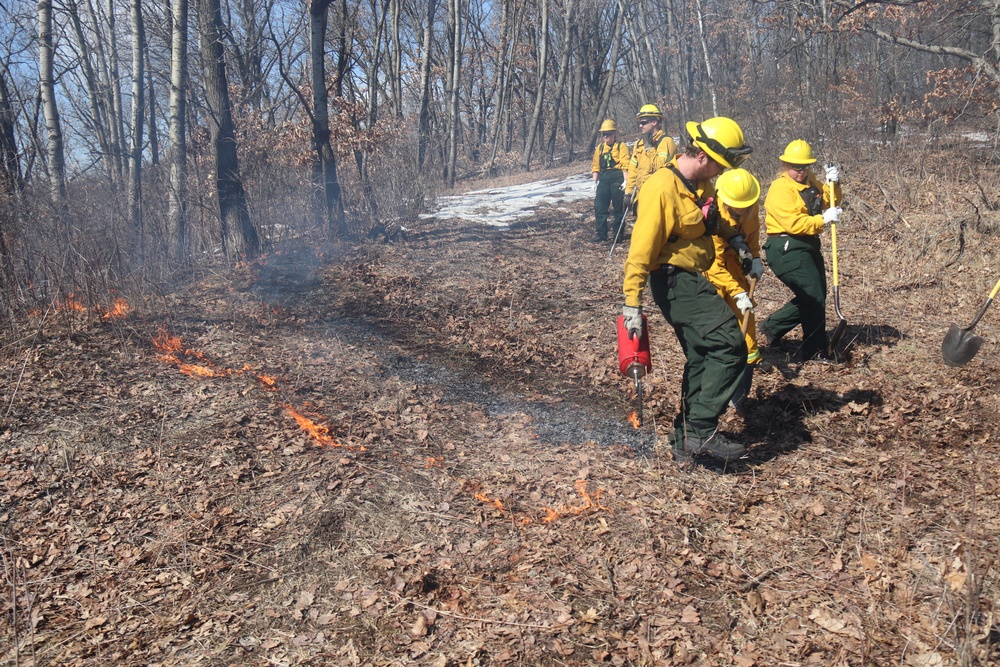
<point x="418" y="452"/>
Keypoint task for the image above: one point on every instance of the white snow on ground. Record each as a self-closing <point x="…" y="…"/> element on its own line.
<point x="499" y="207"/>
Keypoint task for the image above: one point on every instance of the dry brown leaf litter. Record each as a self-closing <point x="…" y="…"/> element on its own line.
<point x="467" y="380"/>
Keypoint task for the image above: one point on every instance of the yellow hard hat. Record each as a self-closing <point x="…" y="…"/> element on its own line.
<point x="798" y="152"/>
<point x="609" y="126"/>
<point x="649" y="111"/>
<point x="738" y="188"/>
<point x="722" y="139"/>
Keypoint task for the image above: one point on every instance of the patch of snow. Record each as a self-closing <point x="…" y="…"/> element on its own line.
<point x="500" y="207"/>
<point x="980" y="137"/>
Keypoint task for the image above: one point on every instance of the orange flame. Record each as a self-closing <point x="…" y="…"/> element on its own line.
<point x="119" y="309"/>
<point x="167" y="343"/>
<point x="634" y="419"/>
<point x="203" y="371"/>
<point x="496" y="502"/>
<point x="72" y="304"/>
<point x="588" y="503"/>
<point x="317" y="432"/>
<point x="266" y="380"/>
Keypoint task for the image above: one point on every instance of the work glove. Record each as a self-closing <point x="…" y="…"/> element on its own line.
<point x="627" y="201"/>
<point x="710" y="211"/>
<point x="831" y="214"/>
<point x="633" y="320"/>
<point x="756" y="269"/>
<point x="832" y="173"/>
<point x="622" y="186"/>
<point x="743" y="302"/>
<point x="739" y="244"/>
<point x="594" y="187"/>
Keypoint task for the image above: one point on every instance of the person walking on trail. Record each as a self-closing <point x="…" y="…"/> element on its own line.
<point x="671" y="247"/>
<point x="797" y="208"/>
<point x="610" y="162"/>
<point x="652" y="151"/>
<point x="738" y="193"/>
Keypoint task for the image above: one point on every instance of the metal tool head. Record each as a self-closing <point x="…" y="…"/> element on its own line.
<point x="960" y="345"/>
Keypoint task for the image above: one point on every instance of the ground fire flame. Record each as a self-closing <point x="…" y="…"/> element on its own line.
<point x="551" y="514"/>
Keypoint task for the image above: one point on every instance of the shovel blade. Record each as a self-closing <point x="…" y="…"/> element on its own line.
<point x="837" y="335"/>
<point x="959" y="346"/>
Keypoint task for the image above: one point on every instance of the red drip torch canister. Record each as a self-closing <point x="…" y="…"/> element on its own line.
<point x="633" y="353"/>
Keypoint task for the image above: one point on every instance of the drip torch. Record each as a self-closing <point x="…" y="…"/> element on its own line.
<point x="633" y="358"/>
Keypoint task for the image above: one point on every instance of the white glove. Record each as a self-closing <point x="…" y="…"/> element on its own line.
<point x="832" y="173"/>
<point x="757" y="269"/>
<point x="743" y="302"/>
<point x="594" y="187"/>
<point x="622" y="186"/>
<point x="633" y="320"/>
<point x="831" y="214"/>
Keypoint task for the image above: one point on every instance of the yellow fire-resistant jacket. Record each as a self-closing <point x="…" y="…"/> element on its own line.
<point x="617" y="153"/>
<point x="726" y="274"/>
<point x="647" y="159"/>
<point x="786" y="209"/>
<point x="670" y="229"/>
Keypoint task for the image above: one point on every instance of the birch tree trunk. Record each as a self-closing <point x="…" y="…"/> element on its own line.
<point x="238" y="234"/>
<point x="543" y="56"/>
<point x="177" y="220"/>
<point x="708" y="61"/>
<point x="138" y="108"/>
<point x="56" y="157"/>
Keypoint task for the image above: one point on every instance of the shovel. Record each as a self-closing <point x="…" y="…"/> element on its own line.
<point x="841" y="328"/>
<point x="960" y="345"/>
<point x="746" y="318"/>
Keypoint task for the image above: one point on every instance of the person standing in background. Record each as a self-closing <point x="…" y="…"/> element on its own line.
<point x="654" y="150"/>
<point x="797" y="210"/>
<point x="611" y="159"/>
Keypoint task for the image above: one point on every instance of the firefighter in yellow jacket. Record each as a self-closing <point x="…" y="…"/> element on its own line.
<point x="610" y="162"/>
<point x="671" y="246"/>
<point x="738" y="193"/>
<point x="652" y="151"/>
<point x="797" y="210"/>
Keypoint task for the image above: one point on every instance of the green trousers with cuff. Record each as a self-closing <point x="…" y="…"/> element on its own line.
<point x="715" y="350"/>
<point x="798" y="262"/>
<point x="609" y="193"/>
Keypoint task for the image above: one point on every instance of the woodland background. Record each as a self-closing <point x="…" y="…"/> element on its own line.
<point x="238" y="428"/>
<point x="141" y="140"/>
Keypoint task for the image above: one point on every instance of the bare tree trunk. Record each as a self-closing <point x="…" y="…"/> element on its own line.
<point x="138" y="108"/>
<point x="456" y="27"/>
<point x="115" y="156"/>
<point x="114" y="79"/>
<point x="178" y="230"/>
<point x="56" y="157"/>
<point x="11" y="182"/>
<point x="12" y="177"/>
<point x="609" y="80"/>
<point x="154" y="135"/>
<point x="510" y="31"/>
<point x="424" y="120"/>
<point x="563" y="71"/>
<point x="708" y="61"/>
<point x="396" y="60"/>
<point x="543" y="56"/>
<point x="97" y="117"/>
<point x="239" y="237"/>
<point x="324" y="161"/>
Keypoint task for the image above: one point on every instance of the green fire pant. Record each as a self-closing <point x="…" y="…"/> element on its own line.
<point x="609" y="193"/>
<point x="714" y="349"/>
<point x="798" y="262"/>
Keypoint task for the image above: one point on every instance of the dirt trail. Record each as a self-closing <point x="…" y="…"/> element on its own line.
<point x="471" y="492"/>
